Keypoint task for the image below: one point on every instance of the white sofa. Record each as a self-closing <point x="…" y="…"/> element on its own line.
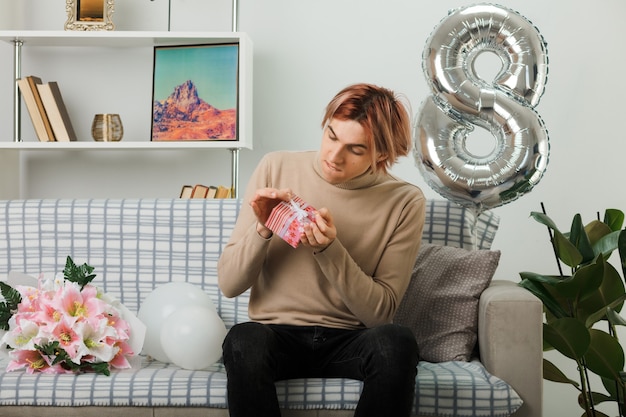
<point x="136" y="245"/>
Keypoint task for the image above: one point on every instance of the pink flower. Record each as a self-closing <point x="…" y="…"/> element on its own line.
<point x="47" y="315"/>
<point x="121" y="327"/>
<point x="77" y="304"/>
<point x="120" y="361"/>
<point x="33" y="361"/>
<point x="68" y="339"/>
<point x="30" y="299"/>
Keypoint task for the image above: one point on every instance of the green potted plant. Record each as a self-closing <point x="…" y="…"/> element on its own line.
<point x="582" y="307"/>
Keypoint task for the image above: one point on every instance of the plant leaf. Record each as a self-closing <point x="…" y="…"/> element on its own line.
<point x="554" y="374"/>
<point x="547" y="279"/>
<point x="12" y="299"/>
<point x="52" y="350"/>
<point x="100" y="368"/>
<point x="606" y="244"/>
<point x="584" y="282"/>
<point x="605" y="356"/>
<point x="81" y="275"/>
<point x="579" y="238"/>
<point x="614" y="318"/>
<point x="610" y="294"/>
<point x="565" y="250"/>
<point x="532" y="282"/>
<point x="598" y="397"/>
<point x="11" y="296"/>
<point x="614" y="218"/>
<point x="588" y="412"/>
<point x="569" y="336"/>
<point x="621" y="245"/>
<point x="596" y="230"/>
<point x="610" y="387"/>
<point x="544" y="219"/>
<point x="607" y="313"/>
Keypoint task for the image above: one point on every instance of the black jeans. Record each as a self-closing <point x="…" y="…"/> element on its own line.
<point x="257" y="355"/>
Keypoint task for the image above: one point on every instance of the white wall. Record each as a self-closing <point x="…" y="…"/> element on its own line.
<point x="305" y="51"/>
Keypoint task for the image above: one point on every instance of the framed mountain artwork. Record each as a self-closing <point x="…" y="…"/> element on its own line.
<point x="195" y="92"/>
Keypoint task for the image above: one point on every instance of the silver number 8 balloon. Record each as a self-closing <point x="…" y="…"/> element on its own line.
<point x="504" y="106"/>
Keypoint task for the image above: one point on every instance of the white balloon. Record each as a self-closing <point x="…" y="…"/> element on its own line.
<point x="192" y="337"/>
<point x="160" y="304"/>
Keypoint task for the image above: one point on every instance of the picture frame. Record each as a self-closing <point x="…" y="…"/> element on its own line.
<point x="89" y="15"/>
<point x="195" y="92"/>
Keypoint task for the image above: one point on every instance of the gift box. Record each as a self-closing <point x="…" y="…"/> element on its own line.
<point x="288" y="219"/>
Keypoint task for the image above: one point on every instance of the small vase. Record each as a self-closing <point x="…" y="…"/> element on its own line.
<point x="107" y="128"/>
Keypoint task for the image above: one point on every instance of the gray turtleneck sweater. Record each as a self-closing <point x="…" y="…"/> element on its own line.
<point x="359" y="280"/>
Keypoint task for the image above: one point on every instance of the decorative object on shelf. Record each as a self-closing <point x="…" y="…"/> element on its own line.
<point x="195" y="92"/>
<point x="30" y="94"/>
<point x="89" y="14"/>
<point x="186" y="191"/>
<point x="56" y="111"/>
<point x="107" y="127"/>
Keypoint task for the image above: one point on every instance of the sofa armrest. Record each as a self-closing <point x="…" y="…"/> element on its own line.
<point x="510" y="338"/>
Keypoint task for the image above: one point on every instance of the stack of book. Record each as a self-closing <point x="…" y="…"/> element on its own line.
<point x="205" y="191"/>
<point x="46" y="109"/>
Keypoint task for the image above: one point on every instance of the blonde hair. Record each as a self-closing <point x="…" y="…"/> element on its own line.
<point x="382" y="115"/>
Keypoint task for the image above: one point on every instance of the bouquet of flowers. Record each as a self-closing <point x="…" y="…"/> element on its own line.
<point x="65" y="325"/>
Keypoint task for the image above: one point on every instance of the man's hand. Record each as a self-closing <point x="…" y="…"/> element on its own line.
<point x="321" y="233"/>
<point x="262" y="204"/>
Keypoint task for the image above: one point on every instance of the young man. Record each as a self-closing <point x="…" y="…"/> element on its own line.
<point x="325" y="308"/>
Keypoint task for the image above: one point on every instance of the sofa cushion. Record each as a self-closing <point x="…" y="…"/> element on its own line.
<point x="450" y="224"/>
<point x="445" y="389"/>
<point x="441" y="302"/>
<point x="134" y="245"/>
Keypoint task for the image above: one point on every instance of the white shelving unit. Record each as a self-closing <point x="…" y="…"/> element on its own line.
<point x="12" y="151"/>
